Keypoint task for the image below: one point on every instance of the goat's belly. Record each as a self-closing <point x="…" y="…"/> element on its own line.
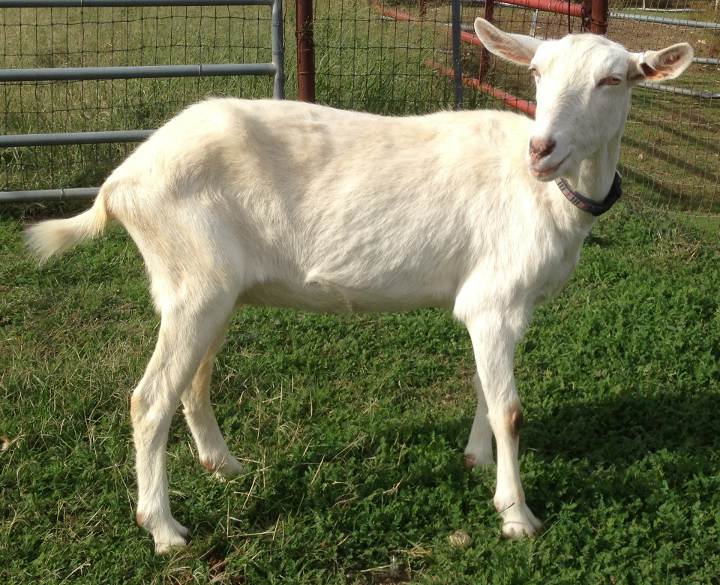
<point x="328" y="298"/>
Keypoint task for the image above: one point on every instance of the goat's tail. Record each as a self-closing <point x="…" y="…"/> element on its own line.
<point x="55" y="236"/>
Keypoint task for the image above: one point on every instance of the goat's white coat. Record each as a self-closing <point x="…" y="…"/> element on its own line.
<point x="298" y="205"/>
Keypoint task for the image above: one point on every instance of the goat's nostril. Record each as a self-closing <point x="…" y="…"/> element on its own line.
<point x="540" y="148"/>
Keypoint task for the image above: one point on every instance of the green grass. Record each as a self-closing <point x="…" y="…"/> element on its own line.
<point x="353" y="429"/>
<point x="707" y="224"/>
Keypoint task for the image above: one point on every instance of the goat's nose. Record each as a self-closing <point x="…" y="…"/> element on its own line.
<point x="540" y="147"/>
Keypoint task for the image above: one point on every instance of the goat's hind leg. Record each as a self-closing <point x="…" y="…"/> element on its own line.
<point x="478" y="451"/>
<point x="212" y="449"/>
<point x="188" y="326"/>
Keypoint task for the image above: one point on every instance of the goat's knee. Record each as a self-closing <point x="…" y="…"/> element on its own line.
<point x="515" y="420"/>
<point x="507" y="421"/>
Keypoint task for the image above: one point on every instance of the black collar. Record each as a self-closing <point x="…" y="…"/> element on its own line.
<point x="592" y="207"/>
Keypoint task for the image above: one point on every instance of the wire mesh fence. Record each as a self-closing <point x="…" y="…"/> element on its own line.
<point x="384" y="56"/>
<point x="671" y="140"/>
<point x="378" y="56"/>
<point x="62" y="37"/>
<point x="395" y="56"/>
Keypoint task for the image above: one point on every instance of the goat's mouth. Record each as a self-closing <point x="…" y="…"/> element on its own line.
<point x="547" y="173"/>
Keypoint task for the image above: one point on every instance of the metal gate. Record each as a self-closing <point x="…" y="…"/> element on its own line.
<point x="593" y="18"/>
<point x="52" y="74"/>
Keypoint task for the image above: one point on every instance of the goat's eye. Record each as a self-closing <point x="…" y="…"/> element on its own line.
<point x="535" y="72"/>
<point x="611" y="80"/>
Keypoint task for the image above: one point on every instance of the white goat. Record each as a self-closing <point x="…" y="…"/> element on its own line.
<point x="291" y="204"/>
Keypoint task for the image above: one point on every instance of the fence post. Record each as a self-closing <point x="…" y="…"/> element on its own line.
<point x="586" y="18"/>
<point x="305" y="50"/>
<point x="599" y="17"/>
<point x="457" y="53"/>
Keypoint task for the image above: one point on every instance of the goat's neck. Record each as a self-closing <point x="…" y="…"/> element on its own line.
<point x="595" y="175"/>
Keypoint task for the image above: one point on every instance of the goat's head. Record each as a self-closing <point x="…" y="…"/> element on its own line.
<point x="583" y="85"/>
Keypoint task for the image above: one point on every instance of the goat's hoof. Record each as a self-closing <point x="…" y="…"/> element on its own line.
<point x="184" y="532"/>
<point x="519" y="522"/>
<point x="518" y="530"/>
<point x="170" y="538"/>
<point x="228" y="468"/>
<point x="167" y="532"/>
<point x="163" y="547"/>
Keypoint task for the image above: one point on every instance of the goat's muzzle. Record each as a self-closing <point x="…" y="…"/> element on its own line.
<point x="540" y="148"/>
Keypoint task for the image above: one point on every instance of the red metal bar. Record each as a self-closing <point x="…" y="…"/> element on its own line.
<point x="547" y="5"/>
<point x="305" y="50"/>
<point x="470" y="38"/>
<point x="392" y="12"/>
<point x="557" y="6"/>
<point x="599" y="17"/>
<point x="403" y="16"/>
<point x="514" y="102"/>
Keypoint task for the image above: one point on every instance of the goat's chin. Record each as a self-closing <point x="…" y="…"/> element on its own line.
<point x="549" y="172"/>
<point x="545" y="178"/>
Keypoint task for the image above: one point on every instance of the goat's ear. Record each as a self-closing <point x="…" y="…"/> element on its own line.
<point x="660" y="65"/>
<point x="516" y="48"/>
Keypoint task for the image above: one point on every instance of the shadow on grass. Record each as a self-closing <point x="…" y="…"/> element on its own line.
<point x="673" y="129"/>
<point x="649" y="190"/>
<point x="625" y="429"/>
<point x="683" y="164"/>
<point x="578" y="453"/>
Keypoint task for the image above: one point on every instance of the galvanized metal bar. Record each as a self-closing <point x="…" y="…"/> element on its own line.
<point x="664" y="20"/>
<point x="126" y="3"/>
<point x="456" y="54"/>
<point x="278" y="50"/>
<point x="62" y="138"/>
<point x="533" y="23"/>
<point x="155" y="71"/>
<point x="135" y="72"/>
<point x="698" y="93"/>
<point x="48" y="195"/>
<point x="706" y="60"/>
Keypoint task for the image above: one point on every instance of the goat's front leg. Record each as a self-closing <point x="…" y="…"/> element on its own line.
<point x="494" y="338"/>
